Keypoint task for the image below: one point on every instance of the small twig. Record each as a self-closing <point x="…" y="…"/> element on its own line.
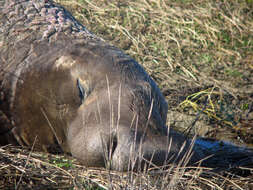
<point x="27" y="160"/>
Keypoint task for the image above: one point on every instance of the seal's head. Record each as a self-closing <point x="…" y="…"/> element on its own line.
<point x="98" y="104"/>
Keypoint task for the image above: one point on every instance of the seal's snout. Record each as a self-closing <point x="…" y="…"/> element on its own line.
<point x="136" y="152"/>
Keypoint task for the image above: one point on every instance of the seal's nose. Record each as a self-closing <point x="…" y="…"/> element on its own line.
<point x="136" y="152"/>
<point x="133" y="151"/>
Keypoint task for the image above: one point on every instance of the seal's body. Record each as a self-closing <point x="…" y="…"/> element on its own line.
<point x="63" y="88"/>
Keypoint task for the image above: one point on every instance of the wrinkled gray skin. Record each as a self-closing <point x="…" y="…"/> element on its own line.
<point x="65" y="89"/>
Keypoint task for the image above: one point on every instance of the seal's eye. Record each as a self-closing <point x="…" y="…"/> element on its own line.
<point x="81" y="90"/>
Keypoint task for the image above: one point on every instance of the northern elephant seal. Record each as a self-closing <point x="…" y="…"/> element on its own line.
<point x="64" y="89"/>
<point x="71" y="91"/>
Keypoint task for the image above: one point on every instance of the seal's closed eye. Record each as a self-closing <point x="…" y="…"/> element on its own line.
<point x="81" y="90"/>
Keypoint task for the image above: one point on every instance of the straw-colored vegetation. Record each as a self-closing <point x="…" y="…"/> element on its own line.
<point x="200" y="53"/>
<point x="24" y="169"/>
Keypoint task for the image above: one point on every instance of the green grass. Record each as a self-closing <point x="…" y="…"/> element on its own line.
<point x="62" y="162"/>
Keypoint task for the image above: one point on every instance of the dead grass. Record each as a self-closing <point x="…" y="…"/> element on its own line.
<point x="21" y="168"/>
